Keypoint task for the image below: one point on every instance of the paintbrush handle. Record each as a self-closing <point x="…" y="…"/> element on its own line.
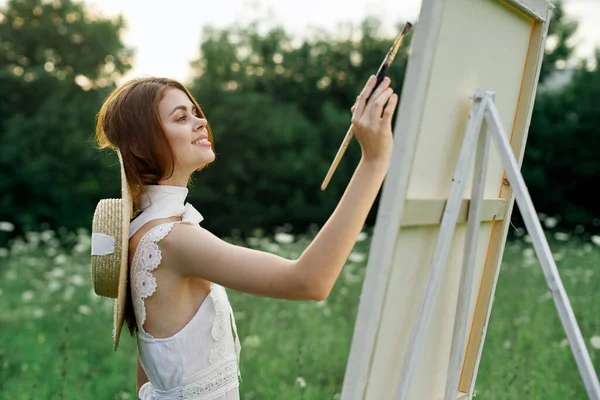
<point x="381" y="73"/>
<point x="338" y="157"/>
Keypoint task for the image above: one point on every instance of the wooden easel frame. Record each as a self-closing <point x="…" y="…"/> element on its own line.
<point x="397" y="211"/>
<point x="484" y="109"/>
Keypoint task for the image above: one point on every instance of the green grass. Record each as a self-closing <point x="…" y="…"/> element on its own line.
<point x="55" y="334"/>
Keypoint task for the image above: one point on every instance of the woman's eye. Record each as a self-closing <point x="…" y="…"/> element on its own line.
<point x="182" y="118"/>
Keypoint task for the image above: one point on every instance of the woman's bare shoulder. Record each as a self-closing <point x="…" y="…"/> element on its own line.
<point x="134" y="241"/>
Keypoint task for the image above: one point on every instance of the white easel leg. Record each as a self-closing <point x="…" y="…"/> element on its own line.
<point x="542" y="249"/>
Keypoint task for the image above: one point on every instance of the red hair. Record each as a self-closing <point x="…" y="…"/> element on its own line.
<point x="130" y="122"/>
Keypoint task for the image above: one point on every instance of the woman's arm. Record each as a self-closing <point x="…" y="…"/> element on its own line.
<point x="193" y="251"/>
<point x="324" y="258"/>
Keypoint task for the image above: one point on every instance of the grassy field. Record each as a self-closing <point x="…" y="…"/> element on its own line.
<point x="55" y="333"/>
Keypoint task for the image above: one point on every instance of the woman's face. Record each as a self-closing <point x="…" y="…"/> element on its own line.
<point x="185" y="131"/>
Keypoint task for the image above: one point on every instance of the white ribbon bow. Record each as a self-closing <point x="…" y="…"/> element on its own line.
<point x="164" y="202"/>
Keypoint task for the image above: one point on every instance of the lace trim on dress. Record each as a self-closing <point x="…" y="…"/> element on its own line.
<point x="215" y="384"/>
<point x="146" y="259"/>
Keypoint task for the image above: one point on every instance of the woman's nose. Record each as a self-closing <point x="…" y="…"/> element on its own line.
<point x="200" y="123"/>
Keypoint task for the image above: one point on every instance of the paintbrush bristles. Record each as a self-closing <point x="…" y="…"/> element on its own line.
<point x="398" y="42"/>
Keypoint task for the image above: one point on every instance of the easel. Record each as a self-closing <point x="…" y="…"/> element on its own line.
<point x="484" y="110"/>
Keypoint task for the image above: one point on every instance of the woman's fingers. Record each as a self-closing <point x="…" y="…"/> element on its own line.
<point x="389" y="109"/>
<point x="373" y="114"/>
<point x="360" y="102"/>
<point x="373" y="101"/>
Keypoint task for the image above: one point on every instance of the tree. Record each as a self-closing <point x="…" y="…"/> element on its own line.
<point x="561" y="163"/>
<point x="558" y="51"/>
<point x="279" y="113"/>
<point x="57" y="63"/>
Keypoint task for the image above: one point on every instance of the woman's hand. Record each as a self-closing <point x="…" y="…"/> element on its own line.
<point x="372" y="121"/>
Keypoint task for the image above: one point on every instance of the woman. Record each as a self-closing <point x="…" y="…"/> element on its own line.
<point x="187" y="344"/>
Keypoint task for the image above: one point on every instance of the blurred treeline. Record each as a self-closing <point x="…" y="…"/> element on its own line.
<point x="278" y="106"/>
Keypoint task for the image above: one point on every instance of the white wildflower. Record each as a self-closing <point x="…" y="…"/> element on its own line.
<point x="356" y="257"/>
<point x="57" y="272"/>
<point x="60" y="259"/>
<point x="3" y="252"/>
<point x="595" y="342"/>
<point x="11" y="275"/>
<point x="321" y="303"/>
<point x="550" y="222"/>
<point x="47" y="235"/>
<point x="528" y="252"/>
<point x="27" y="296"/>
<point x="327" y="311"/>
<point x="6" y="226"/>
<point x="253" y="241"/>
<point x="38" y="313"/>
<point x="282" y="237"/>
<point x="507" y="344"/>
<point x="53" y="286"/>
<point x="349" y="277"/>
<point x="361" y="236"/>
<point x="33" y="238"/>
<point x="84" y="310"/>
<point x="252" y="341"/>
<point x="563" y="237"/>
<point x="301" y="382"/>
<point x="32" y="261"/>
<point x="77" y="280"/>
<point x="545" y="297"/>
<point x="51" y="251"/>
<point x="80" y="248"/>
<point x="587" y="248"/>
<point x="596" y="240"/>
<point x="563" y="343"/>
<point x="272" y="247"/>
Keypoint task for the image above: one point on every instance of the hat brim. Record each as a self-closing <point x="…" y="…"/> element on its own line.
<point x="121" y="300"/>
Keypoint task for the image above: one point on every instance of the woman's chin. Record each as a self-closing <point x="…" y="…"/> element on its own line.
<point x="205" y="161"/>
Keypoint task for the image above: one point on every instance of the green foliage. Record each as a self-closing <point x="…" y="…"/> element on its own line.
<point x="56" y="66"/>
<point x="279" y="108"/>
<point x="279" y="113"/>
<point x="56" y="336"/>
<point x="561" y="164"/>
<point x="526" y="353"/>
<point x="559" y="51"/>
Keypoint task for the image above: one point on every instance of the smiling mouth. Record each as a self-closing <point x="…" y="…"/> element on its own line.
<point x="202" y="141"/>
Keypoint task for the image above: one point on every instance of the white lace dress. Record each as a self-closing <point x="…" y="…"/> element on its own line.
<point x="199" y="362"/>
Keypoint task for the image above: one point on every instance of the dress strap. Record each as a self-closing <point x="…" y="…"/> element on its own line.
<point x="146" y="259"/>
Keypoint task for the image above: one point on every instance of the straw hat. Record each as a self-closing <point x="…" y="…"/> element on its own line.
<point x="110" y="248"/>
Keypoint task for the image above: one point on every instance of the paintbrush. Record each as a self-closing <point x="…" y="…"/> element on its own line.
<point x="385" y="65"/>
